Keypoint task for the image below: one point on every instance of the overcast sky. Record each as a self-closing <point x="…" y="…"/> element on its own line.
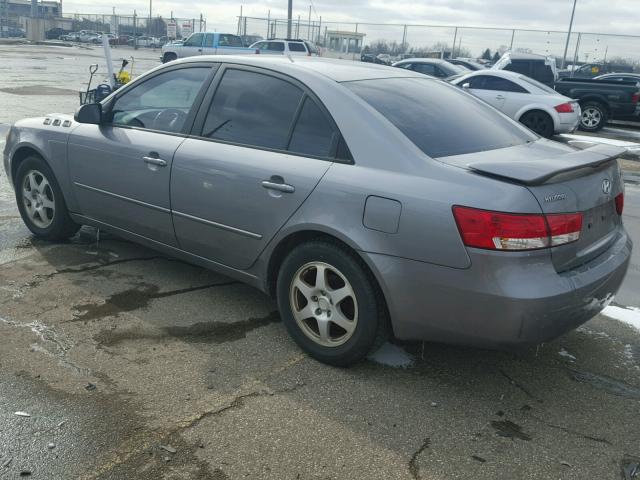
<point x="605" y="16"/>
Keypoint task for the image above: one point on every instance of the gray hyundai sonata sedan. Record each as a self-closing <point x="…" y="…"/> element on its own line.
<point x="369" y="201"/>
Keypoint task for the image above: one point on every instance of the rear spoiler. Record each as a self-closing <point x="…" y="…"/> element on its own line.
<point x="540" y="171"/>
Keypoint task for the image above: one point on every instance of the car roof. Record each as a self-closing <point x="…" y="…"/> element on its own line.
<point x="527" y="56"/>
<point x="334" y="69"/>
<point x="423" y="60"/>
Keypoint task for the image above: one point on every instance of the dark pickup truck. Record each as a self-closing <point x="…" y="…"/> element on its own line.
<point x="601" y="100"/>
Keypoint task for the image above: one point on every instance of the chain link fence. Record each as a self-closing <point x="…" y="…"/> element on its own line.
<point x="351" y="39"/>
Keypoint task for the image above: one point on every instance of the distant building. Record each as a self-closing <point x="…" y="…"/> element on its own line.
<point x="342" y="42"/>
<point x="22" y="8"/>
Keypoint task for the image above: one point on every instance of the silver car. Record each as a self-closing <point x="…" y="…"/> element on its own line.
<point x="370" y="201"/>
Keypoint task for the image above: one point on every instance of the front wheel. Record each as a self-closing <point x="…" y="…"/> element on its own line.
<point x="538" y="121"/>
<point x="594" y="117"/>
<point x="330" y="304"/>
<point x="169" y="57"/>
<point x="40" y="201"/>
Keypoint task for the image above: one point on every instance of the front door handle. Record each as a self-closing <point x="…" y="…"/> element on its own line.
<point x="499" y="97"/>
<point x="280" y="187"/>
<point x="155" y="161"/>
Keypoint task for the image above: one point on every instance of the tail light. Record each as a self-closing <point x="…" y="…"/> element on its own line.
<point x="564" y="108"/>
<point x="635" y="97"/>
<point x="619" y="203"/>
<point x="508" y="231"/>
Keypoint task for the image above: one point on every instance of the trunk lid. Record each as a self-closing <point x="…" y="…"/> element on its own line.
<point x="563" y="180"/>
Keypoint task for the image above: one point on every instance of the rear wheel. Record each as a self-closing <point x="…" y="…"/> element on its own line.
<point x="169" y="57"/>
<point x="40" y="201"/>
<point x="330" y="304"/>
<point x="594" y="116"/>
<point x="538" y="121"/>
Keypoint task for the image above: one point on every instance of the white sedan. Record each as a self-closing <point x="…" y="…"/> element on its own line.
<point x="524" y="99"/>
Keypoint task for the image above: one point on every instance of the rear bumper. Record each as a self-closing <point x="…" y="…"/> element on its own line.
<point x="502" y="300"/>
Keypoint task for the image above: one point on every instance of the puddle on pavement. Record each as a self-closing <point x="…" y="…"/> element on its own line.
<point x="607" y="384"/>
<point x="38" y="90"/>
<point x="133" y="299"/>
<point x="204" y="332"/>
<point x="506" y="428"/>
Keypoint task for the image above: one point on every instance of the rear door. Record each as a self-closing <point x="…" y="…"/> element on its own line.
<point x="261" y="144"/>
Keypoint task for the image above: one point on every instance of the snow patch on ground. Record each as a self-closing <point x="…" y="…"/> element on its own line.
<point x="629" y="315"/>
<point x="564" y="353"/>
<point x="392" y="356"/>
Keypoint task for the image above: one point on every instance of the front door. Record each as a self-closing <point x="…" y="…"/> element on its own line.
<point x="260" y="148"/>
<point x="121" y="168"/>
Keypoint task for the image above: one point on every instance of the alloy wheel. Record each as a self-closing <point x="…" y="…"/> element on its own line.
<point x="38" y="199"/>
<point x="591" y="117"/>
<point x="324" y="304"/>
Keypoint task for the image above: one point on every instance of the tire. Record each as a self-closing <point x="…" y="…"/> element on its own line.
<point x="538" y="121"/>
<point x="305" y="304"/>
<point x="169" y="57"/>
<point x="594" y="116"/>
<point x="37" y="188"/>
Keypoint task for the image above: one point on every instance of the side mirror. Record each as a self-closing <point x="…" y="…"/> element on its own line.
<point x="89" y="113"/>
<point x="466" y="86"/>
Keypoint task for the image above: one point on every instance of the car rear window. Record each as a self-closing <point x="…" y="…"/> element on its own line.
<point x="439" y="118"/>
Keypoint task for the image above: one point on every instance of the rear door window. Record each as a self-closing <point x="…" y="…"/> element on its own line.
<point x="228" y="40"/>
<point x="296" y="47"/>
<point x="313" y="134"/>
<point x="425" y="68"/>
<point x="438" y="118"/>
<point x="253" y="109"/>
<point x="275" y="46"/>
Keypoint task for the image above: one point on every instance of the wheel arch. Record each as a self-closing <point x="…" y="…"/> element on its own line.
<point x="20" y="154"/>
<point x="293" y="239"/>
<point x="598" y="99"/>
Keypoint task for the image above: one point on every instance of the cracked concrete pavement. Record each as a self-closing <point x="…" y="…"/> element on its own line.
<point x="133" y="365"/>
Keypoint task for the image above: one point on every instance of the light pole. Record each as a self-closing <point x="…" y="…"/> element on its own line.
<point x="566" y="45"/>
<point x="149" y="26"/>
<point x="289" y="15"/>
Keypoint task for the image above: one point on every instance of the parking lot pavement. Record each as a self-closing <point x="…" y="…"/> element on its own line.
<point x="135" y="365"/>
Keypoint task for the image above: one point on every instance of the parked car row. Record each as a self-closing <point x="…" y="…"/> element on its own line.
<point x="368" y="201"/>
<point x="87" y="36"/>
<point x="230" y="44"/>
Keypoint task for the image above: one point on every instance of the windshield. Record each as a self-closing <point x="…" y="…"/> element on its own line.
<point x="438" y="118"/>
<point x="538" y="84"/>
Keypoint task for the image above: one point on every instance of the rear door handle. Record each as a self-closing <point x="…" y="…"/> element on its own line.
<point x="281" y="187"/>
<point x="155" y="161"/>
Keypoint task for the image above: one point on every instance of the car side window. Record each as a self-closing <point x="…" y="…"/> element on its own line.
<point x="313" y="134"/>
<point x="425" y="68"/>
<point x="161" y="103"/>
<point x="296" y="47"/>
<point x="502" y="85"/>
<point x="477" y="82"/>
<point x="275" y="46"/>
<point x="260" y="46"/>
<point x="438" y="72"/>
<point x="252" y="108"/>
<point x="208" y="40"/>
<point x="406" y="66"/>
<point x="228" y="40"/>
<point x="194" y="40"/>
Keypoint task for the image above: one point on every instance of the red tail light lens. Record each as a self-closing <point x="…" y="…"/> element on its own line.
<point x="620" y="203"/>
<point x="635" y="98"/>
<point x="564" y="108"/>
<point x="508" y="231"/>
